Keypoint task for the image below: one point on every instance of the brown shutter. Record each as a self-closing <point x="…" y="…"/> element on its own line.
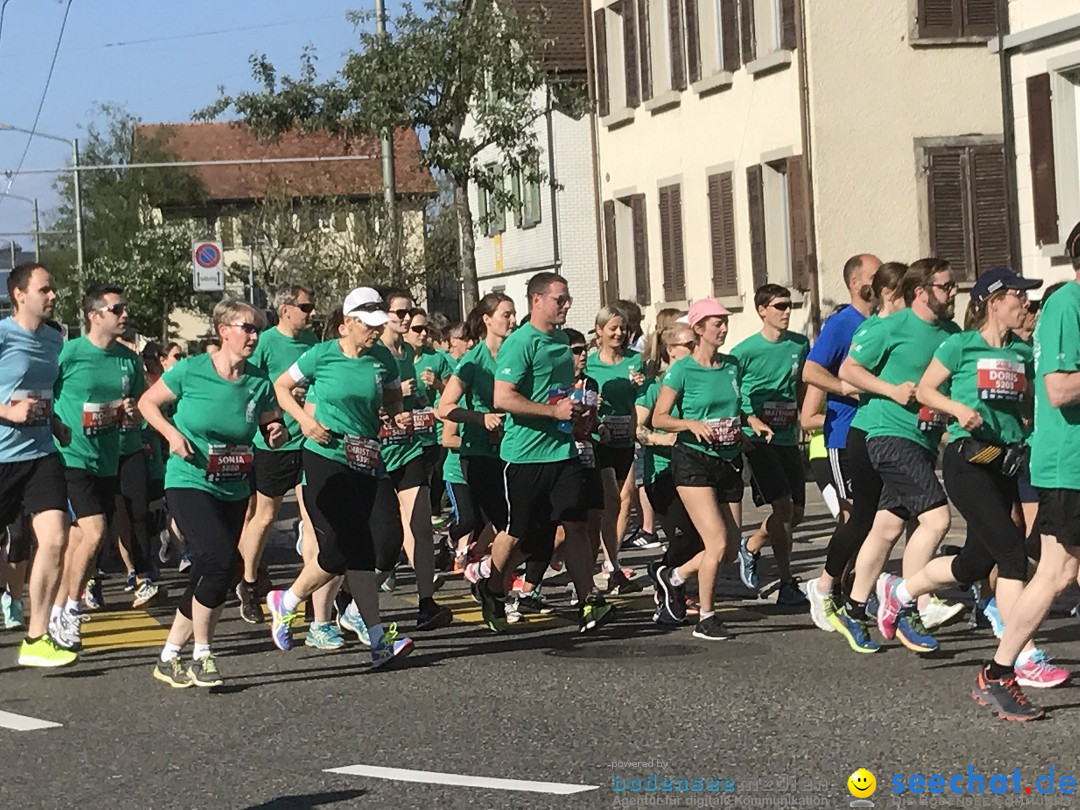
<point x="1043" y="178"/>
<point x="986" y="165"/>
<point x="729" y="34"/>
<point x="671" y="243"/>
<point x="799" y="227"/>
<point x="630" y="53"/>
<point x="939" y="18"/>
<point x="722" y="234"/>
<point x="603" y="101"/>
<point x="678" y="45"/>
<point x="693" y="40"/>
<point x="787" y="24"/>
<point x="611" y="250"/>
<point x="950" y="222"/>
<point x="644" y="49"/>
<point x="755" y="202"/>
<point x="639" y="228"/>
<point x="746" y="27"/>
<point x="979" y="18"/>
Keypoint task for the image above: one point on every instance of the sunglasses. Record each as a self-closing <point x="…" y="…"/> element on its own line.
<point x="563" y="300"/>
<point x="374" y="306"/>
<point x="782" y="306"/>
<point x="115" y="309"/>
<point x="307" y="309"/>
<point x="948" y="286"/>
<point x="249" y="328"/>
<point x="577" y="349"/>
<point x="420" y="329"/>
<point x="401" y="314"/>
<point x="687" y="345"/>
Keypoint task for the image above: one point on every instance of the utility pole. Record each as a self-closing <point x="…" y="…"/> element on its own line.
<point x="389" y="186"/>
<point x="78" y="214"/>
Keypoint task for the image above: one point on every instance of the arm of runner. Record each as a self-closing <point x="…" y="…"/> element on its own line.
<point x="647" y="437"/>
<point x="450" y="437"/>
<point x="150" y="404"/>
<point x="851" y="371"/>
<point x="819" y="377"/>
<point x="1062" y="388"/>
<point x="929" y="394"/>
<point x="663" y="420"/>
<point x="283" y="388"/>
<point x="508" y="399"/>
<point x="449" y="410"/>
<point x="810" y="417"/>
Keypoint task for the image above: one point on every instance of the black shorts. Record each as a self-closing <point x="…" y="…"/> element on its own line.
<point x="691" y="467"/>
<point x="278" y="472"/>
<point x="90" y="495"/>
<point x="413" y="474"/>
<point x="1059" y="515"/>
<point x="540" y="494"/>
<point x="910" y="486"/>
<point x="776" y="471"/>
<point x="340" y="502"/>
<point x="594" y="489"/>
<point x="486" y="477"/>
<point x="620" y="459"/>
<point x="30" y="487"/>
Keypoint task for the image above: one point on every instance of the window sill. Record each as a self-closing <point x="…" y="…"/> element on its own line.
<point x="664" y="101"/>
<point x="618" y="118"/>
<point x="939" y="42"/>
<point x="528" y="225"/>
<point x="733" y="303"/>
<point x="777" y="60"/>
<point x="712" y="84"/>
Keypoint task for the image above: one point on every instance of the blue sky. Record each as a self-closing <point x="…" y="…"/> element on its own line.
<point x="165" y="79"/>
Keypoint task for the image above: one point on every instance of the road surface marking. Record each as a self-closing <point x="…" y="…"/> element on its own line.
<point x="20" y="722"/>
<point x="462" y="780"/>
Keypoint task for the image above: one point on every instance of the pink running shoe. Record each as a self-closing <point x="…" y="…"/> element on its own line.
<point x="1040" y="671"/>
<point x="472" y="572"/>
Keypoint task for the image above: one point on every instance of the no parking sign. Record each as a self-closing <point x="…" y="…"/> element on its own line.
<point x="207" y="266"/>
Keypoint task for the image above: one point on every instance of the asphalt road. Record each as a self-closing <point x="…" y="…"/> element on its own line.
<point x="779" y="716"/>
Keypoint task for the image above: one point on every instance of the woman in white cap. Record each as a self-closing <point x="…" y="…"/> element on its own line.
<point x="350" y="380"/>
<point x="704" y="387"/>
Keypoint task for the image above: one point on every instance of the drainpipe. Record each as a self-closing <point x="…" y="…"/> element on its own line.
<point x="808" y="174"/>
<point x="556" y="253"/>
<point x="590" y="83"/>
<point x="1012" y="196"/>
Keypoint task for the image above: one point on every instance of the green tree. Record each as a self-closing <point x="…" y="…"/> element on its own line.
<point x="439" y="66"/>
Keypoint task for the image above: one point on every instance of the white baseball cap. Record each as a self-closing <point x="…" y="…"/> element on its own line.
<point x="366" y="306"/>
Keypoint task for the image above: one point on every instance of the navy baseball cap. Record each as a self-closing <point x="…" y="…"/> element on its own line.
<point x="1001" y="278"/>
<point x="1072" y="243"/>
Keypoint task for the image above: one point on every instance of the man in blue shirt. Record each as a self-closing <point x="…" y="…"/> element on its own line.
<point x="31" y="472"/>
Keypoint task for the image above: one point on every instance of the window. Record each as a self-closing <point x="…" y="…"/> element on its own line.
<point x="491" y="216"/>
<point x="671" y="243"/>
<point x="637" y="64"/>
<point x="766" y="26"/>
<point x="227" y="231"/>
<point x="526" y="200"/>
<point x="779" y="227"/>
<point x="1043" y="178"/>
<point x="715" y="47"/>
<point x="967" y="207"/>
<point x="722" y="235"/>
<point x="626" y="234"/>
<point x="603" y="90"/>
<point x="1053" y="105"/>
<point x="956" y="19"/>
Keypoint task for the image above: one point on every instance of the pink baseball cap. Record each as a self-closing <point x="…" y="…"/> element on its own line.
<point x="705" y="308"/>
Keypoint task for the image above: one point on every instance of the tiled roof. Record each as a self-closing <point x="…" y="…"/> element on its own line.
<point x="562" y="22"/>
<point x="230" y="141"/>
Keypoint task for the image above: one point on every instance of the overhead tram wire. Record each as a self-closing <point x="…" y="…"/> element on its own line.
<point x="180" y="164"/>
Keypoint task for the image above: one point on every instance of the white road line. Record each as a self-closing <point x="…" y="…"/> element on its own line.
<point x="436" y="778"/>
<point x="20" y="722"/>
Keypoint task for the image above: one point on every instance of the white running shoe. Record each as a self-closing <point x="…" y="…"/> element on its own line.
<point x="940" y="612"/>
<point x="817" y="606"/>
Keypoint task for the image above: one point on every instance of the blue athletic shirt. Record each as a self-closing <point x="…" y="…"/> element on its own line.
<point x="29" y="364"/>
<point x="829" y="352"/>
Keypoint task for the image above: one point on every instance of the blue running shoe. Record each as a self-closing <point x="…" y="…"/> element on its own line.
<point x="390" y="647"/>
<point x="351" y="621"/>
<point x="323" y="636"/>
<point x="872" y="606"/>
<point x="748" y="562"/>
<point x="855" y="631"/>
<point x="913" y="633"/>
<point x="280" y="620"/>
<point x="130" y="582"/>
<point x="993" y="615"/>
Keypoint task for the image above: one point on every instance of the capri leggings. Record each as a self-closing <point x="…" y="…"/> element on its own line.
<point x="466" y="518"/>
<point x="135" y="493"/>
<point x="985" y="498"/>
<point x="211" y="528"/>
<point x="865" y="493"/>
<point x="684" y="542"/>
<point x="341" y="504"/>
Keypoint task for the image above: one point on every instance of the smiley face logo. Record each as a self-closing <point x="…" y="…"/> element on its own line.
<point x="862" y="784"/>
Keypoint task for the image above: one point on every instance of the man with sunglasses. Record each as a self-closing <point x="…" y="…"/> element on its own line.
<point x="95" y="393"/>
<point x="280" y="469"/>
<point x="770" y="367"/>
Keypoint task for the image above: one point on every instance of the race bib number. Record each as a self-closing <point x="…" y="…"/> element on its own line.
<point x="100" y="417"/>
<point x="586" y="454"/>
<point x="390" y="433"/>
<point x="228" y="462"/>
<point x="423" y="420"/>
<point x="1001" y="379"/>
<point x="362" y="454"/>
<point x="930" y="420"/>
<point x="42" y="411"/>
<point x="778" y="415"/>
<point x="618" y="427"/>
<point x="726" y="431"/>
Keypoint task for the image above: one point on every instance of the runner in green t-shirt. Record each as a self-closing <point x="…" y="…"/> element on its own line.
<point x="462" y="507"/>
<point x="770" y="366"/>
<point x="221" y="401"/>
<point x="280" y="470"/>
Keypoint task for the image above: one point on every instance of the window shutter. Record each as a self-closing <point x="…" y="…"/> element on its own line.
<point x="341" y="221"/>
<point x="950" y="220"/>
<point x="990" y="207"/>
<point x="755" y="201"/>
<point x="787" y="24"/>
<point x="746" y="27"/>
<point x="481" y="210"/>
<point x="1043" y="177"/>
<point x="639" y="228"/>
<point x="498" y="223"/>
<point x="693" y="40"/>
<point x="630" y="53"/>
<point x="678" y="45"/>
<point x="671" y="243"/>
<point x="979" y="18"/>
<point x="722" y="234"/>
<point x="611" y="251"/>
<point x="519" y="199"/>
<point x="603" y="101"/>
<point x="799" y="226"/>
<point x="939" y="18"/>
<point x="729" y="34"/>
<point x="644" y="49"/>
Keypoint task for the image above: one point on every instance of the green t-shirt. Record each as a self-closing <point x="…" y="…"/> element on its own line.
<point x="541" y="368"/>
<point x="1055" y="444"/>
<point x="89" y="389"/>
<point x="617" y="393"/>
<point x="348" y="393"/>
<point x="770" y="374"/>
<point x="451" y="468"/>
<point x="898" y="349"/>
<point x="476" y="370"/>
<point x="219" y="418"/>
<point x="709" y="395"/>
<point x="274" y="354"/>
<point x="155" y="461"/>
<point x="657" y="459"/>
<point x="991" y="381"/>
<point x="425" y="426"/>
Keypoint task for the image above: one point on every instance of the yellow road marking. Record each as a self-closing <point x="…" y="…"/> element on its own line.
<point x="123" y="630"/>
